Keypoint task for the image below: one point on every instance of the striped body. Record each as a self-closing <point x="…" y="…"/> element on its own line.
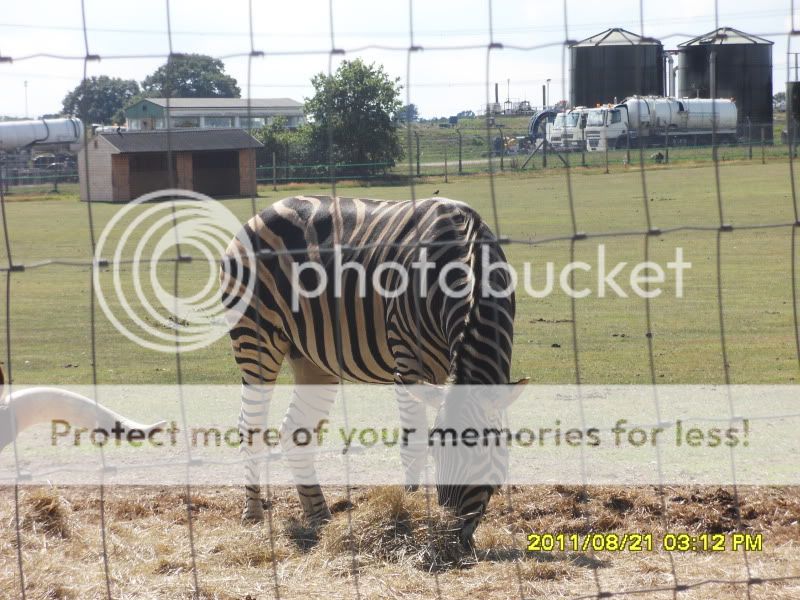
<point x="419" y="333"/>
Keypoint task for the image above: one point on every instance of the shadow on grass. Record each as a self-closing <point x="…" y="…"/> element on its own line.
<point x="515" y="554"/>
<point x="302" y="535"/>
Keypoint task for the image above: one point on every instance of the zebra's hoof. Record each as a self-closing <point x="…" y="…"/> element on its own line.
<point x="249" y="519"/>
<point x="320" y="521"/>
<point x="467" y="542"/>
<point x="253" y="514"/>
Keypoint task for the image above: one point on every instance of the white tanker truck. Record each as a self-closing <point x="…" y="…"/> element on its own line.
<point x="651" y="118"/>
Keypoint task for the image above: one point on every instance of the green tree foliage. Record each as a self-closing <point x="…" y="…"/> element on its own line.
<point x="191" y="76"/>
<point x="356" y="108"/>
<point x="408" y="113"/>
<point x="294" y="146"/>
<point x="98" y="99"/>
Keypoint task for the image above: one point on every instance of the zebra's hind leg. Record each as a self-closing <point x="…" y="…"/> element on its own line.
<point x="312" y="398"/>
<point x="252" y="423"/>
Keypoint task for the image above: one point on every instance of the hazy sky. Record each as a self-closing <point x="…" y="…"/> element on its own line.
<point x="442" y="82"/>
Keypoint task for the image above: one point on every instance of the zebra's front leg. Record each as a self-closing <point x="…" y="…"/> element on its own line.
<point x="414" y="446"/>
<point x="312" y="398"/>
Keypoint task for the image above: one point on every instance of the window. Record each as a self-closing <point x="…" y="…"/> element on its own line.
<point x="255" y="122"/>
<point x="616" y="116"/>
<point x="222" y="122"/>
<point x="559" y="122"/>
<point x="183" y="122"/>
<point x="595" y="118"/>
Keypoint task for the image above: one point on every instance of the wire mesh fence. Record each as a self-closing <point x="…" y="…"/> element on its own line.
<point x="446" y="153"/>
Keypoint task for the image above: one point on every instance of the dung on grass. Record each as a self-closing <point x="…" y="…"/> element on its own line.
<point x="393" y="526"/>
<point x="45" y="512"/>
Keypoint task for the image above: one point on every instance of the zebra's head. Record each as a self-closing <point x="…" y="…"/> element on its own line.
<point x="469" y="444"/>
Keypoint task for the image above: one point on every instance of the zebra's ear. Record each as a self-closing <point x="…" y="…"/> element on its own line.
<point x="427" y="393"/>
<point x="511" y="392"/>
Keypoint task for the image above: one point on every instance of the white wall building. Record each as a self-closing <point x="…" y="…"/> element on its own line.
<point x="225" y="113"/>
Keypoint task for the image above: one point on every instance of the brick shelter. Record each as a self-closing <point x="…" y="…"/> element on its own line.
<point x="125" y="165"/>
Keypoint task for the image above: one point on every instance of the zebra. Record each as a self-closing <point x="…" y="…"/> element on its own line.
<point x="414" y="338"/>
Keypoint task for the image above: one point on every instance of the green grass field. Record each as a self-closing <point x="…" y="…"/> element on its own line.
<point x="50" y="306"/>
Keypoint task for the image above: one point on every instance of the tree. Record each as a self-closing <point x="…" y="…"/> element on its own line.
<point x="191" y="76"/>
<point x="97" y="99"/>
<point x="356" y="108"/>
<point x="289" y="145"/>
<point x="409" y="113"/>
<point x="779" y="97"/>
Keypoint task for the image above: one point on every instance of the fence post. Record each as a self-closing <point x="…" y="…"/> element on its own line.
<point x="416" y="136"/>
<point x="286" y="162"/>
<point x="445" y="162"/>
<point x="763" y="157"/>
<point x="666" y="145"/>
<point x="628" y="147"/>
<point x="460" y="170"/>
<point x="274" y="174"/>
<point x="607" y="155"/>
<point x="544" y="153"/>
<point x="502" y="147"/>
<point x="749" y="138"/>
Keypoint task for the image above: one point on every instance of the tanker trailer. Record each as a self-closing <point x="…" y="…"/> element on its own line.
<point x="22" y="134"/>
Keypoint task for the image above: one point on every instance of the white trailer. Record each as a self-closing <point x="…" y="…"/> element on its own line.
<point x="655" y="119"/>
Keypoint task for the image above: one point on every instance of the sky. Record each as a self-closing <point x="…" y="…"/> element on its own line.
<point x="131" y="39"/>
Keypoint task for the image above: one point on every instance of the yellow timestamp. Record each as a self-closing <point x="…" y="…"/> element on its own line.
<point x="645" y="542"/>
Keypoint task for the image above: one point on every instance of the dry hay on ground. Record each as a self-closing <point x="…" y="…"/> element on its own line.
<point x="391" y="543"/>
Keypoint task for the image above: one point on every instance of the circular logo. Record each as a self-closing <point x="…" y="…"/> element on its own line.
<point x="165" y="262"/>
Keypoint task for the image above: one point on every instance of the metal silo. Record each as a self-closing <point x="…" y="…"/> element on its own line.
<point x="615" y="64"/>
<point x="743" y="67"/>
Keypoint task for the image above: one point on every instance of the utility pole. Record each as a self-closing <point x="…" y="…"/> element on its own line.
<point x="548" y="92"/>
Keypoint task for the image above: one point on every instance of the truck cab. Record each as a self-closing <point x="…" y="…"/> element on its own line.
<point x="606" y="127"/>
<point x="567" y="131"/>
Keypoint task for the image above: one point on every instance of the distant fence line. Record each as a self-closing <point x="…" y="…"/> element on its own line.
<point x="452" y="152"/>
